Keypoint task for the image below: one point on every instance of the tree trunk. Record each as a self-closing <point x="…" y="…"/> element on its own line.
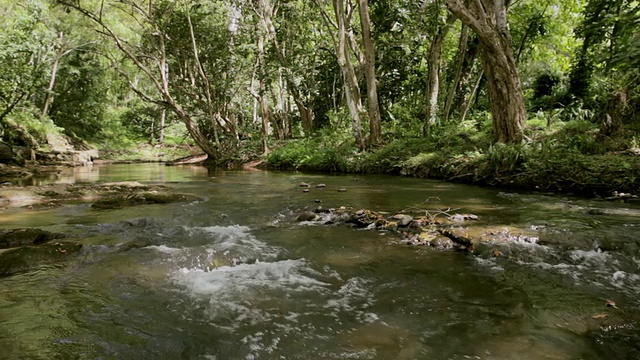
<point x="433" y="74"/>
<point x="264" y="106"/>
<point x="163" y="119"/>
<point x="370" y="74"/>
<point x="350" y="80"/>
<point x="48" y="99"/>
<point x="488" y="19"/>
<point x="453" y="89"/>
<point x="465" y="87"/>
<point x="306" y="112"/>
<point x="465" y="105"/>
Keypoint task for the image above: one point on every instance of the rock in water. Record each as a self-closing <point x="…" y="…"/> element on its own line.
<point x="21" y="237"/>
<point x="307" y="216"/>
<point x="28" y="258"/>
<point x="403" y="220"/>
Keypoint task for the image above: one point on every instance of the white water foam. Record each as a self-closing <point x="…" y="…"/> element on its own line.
<point x="244" y="277"/>
<point x="164" y="249"/>
<point x="271" y="303"/>
<point x="235" y="239"/>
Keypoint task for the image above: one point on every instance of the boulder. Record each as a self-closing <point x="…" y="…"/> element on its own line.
<point x="28" y="258"/>
<point x="307" y="216"/>
<point x="402" y="219"/>
<point x="117" y="202"/>
<point x="6" y="153"/>
<point x="21" y="237"/>
<point x="363" y="218"/>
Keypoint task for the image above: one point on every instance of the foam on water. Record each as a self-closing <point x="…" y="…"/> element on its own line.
<point x="164" y="249"/>
<point x="235" y="239"/>
<point x="270" y="306"/>
<point x="607" y="270"/>
<point x="227" y="280"/>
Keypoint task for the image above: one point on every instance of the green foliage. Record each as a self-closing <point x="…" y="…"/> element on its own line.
<point x="81" y="95"/>
<point x="23" y="124"/>
<point x="607" y="62"/>
<point x="25" y="52"/>
<point x="327" y="152"/>
<point x="391" y="157"/>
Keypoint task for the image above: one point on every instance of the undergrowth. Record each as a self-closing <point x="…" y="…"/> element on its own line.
<point x="569" y="156"/>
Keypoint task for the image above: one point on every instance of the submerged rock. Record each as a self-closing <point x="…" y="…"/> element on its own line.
<point x="21" y="237"/>
<point x="28" y="258"/>
<point x="117" y="202"/>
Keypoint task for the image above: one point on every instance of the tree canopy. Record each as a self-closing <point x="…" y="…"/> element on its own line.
<point x="374" y="71"/>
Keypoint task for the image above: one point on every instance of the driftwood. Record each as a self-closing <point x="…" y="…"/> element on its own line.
<point x="194" y="159"/>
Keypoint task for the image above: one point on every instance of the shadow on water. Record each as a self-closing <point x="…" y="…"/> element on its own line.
<point x="233" y="276"/>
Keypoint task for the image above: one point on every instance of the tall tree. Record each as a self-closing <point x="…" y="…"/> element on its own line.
<point x="172" y="41"/>
<point x="369" y="65"/>
<point x="342" y="41"/>
<point x="488" y="19"/>
<point x="433" y="70"/>
<point x="266" y="10"/>
<point x="25" y="53"/>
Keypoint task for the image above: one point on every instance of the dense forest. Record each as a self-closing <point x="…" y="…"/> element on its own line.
<point x="527" y="93"/>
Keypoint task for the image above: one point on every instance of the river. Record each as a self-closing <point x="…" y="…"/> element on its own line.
<point x="234" y="276"/>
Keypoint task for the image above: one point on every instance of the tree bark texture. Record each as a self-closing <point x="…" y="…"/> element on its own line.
<point x="488" y="19"/>
<point x="352" y="90"/>
<point x="370" y="74"/>
<point x="264" y="106"/>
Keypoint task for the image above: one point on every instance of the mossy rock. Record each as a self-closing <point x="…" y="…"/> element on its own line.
<point x="118" y="202"/>
<point x="32" y="257"/>
<point x="21" y="237"/>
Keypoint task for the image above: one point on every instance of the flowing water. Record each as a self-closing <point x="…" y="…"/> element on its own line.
<point x="234" y="276"/>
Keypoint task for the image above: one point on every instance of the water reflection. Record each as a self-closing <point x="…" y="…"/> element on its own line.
<point x="148" y="172"/>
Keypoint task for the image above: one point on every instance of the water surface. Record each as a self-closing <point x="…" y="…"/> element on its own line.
<point x="233" y="276"/>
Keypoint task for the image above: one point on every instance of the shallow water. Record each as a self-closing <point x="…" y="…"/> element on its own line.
<point x="233" y="276"/>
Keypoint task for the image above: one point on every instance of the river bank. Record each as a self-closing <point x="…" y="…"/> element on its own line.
<point x="558" y="164"/>
<point x="550" y="165"/>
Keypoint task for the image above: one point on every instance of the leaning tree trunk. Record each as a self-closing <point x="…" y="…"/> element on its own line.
<point x="453" y="88"/>
<point x="488" y="20"/>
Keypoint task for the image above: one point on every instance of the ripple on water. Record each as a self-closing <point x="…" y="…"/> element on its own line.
<point x="279" y="305"/>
